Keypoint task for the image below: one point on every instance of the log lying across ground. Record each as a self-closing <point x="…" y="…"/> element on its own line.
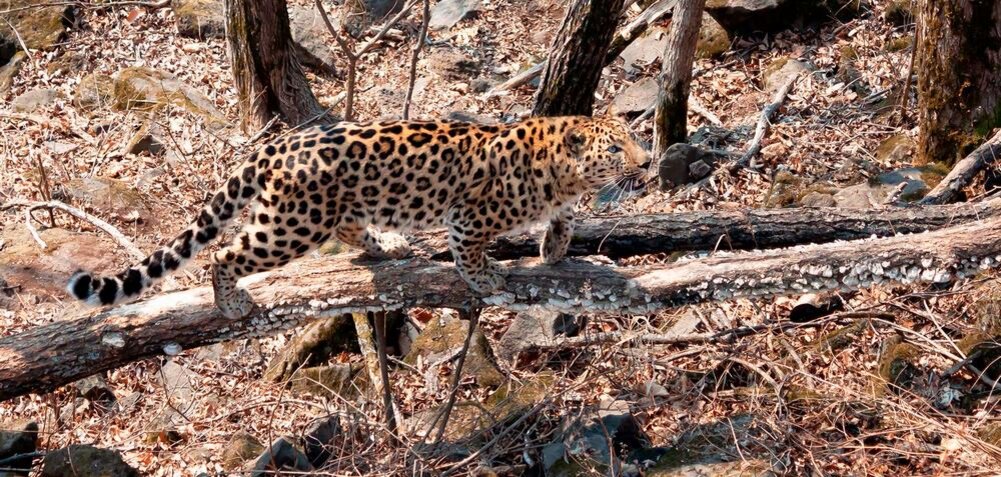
<point x="736" y="230"/>
<point x="44" y="358"/>
<point x="960" y="176"/>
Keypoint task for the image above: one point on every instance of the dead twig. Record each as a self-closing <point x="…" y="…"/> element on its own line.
<point x="964" y="171"/>
<point x="763" y="124"/>
<point x="446" y="412"/>
<point x="55" y="204"/>
<point x="421" y="38"/>
<point x="374" y="362"/>
<point x="387" y="390"/>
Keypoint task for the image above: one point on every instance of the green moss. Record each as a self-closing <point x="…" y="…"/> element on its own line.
<point x="895" y="365"/>
<point x="933" y="173"/>
<point x="986" y="125"/>
<point x="713" y="39"/>
<point x="899" y="44"/>
<point x="774" y="66"/>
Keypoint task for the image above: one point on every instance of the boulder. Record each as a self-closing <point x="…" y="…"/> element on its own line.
<point x="346" y="381"/>
<point x="112" y="197"/>
<point x="240" y="449"/>
<point x="779" y="70"/>
<point x="447" y="13"/>
<point x="745" y="16"/>
<point x="537" y="327"/>
<point x="95" y="389"/>
<point x="41" y="26"/>
<point x="320" y="438"/>
<point x="649" y="47"/>
<point x="896" y="149"/>
<point x="149" y="139"/>
<point x="18" y="438"/>
<point x="145" y="89"/>
<point x="684" y="164"/>
<point x="636" y="98"/>
<point x="593" y="440"/>
<point x="200" y="18"/>
<point x="86" y="461"/>
<point x="43" y="272"/>
<point x="9" y="71"/>
<point x="442" y="339"/>
<point x="876" y="192"/>
<point x="94" y="92"/>
<point x="35" y="99"/>
<point x="312" y="39"/>
<point x="280" y="455"/>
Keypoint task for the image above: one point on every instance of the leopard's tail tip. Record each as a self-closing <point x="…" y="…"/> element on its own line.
<point x="81" y="286"/>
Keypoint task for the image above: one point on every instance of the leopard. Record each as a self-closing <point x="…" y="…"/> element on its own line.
<point x="366" y="183"/>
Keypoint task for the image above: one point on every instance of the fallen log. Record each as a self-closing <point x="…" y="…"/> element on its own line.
<point x="732" y="230"/>
<point x="964" y="171"/>
<point x="46" y="357"/>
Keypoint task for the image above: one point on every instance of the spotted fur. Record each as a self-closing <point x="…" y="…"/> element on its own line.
<point x="342" y="181"/>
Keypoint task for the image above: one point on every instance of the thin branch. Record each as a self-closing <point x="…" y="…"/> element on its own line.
<point x="446" y="412"/>
<point x="964" y="171"/>
<point x="764" y="123"/>
<point x="421" y="38"/>
<point x="380" y="320"/>
<point x="55" y="204"/>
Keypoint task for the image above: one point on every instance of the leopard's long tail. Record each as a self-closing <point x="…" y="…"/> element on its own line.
<point x="241" y="187"/>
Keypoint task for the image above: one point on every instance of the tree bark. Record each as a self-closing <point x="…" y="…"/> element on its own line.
<point x="48" y="356"/>
<point x="577" y="57"/>
<point x="959" y="85"/>
<point x="731" y="230"/>
<point x="269" y="78"/>
<point x="670" y="123"/>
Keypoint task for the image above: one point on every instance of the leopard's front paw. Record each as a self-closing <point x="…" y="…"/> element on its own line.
<point x="392" y="246"/>
<point x="238" y="304"/>
<point x="486" y="281"/>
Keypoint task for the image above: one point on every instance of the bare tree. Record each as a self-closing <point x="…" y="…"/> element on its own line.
<point x="671" y="114"/>
<point x="268" y="76"/>
<point x="577" y="57"/>
<point x="959" y="86"/>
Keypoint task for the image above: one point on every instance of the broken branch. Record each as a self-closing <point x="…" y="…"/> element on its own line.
<point x="764" y="123"/>
<point x="964" y="171"/>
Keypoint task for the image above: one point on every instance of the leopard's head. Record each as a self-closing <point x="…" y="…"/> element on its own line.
<point x="606" y="153"/>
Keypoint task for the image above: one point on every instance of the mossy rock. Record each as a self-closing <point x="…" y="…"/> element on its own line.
<point x="899" y="44"/>
<point x="442" y="337"/>
<point x="933" y="173"/>
<point x="112" y="197"/>
<point x="896" y="366"/>
<point x="9" y="71"/>
<point x="789" y="190"/>
<point x="991" y="433"/>
<point x="508" y="402"/>
<point x="778" y="71"/>
<point x="86" y="461"/>
<point x="41" y="27"/>
<point x="94" y="92"/>
<point x="242" y="448"/>
<point x="896" y="149"/>
<point x="146" y="89"/>
<point x="200" y="18"/>
<point x="713" y="38"/>
<point x="985" y="339"/>
<point x="345" y="380"/>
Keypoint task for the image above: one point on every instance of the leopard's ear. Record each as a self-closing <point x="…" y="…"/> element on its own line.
<point x="574" y="140"/>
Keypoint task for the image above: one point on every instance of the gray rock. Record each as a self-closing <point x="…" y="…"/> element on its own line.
<point x="896" y="149"/>
<point x="684" y="164"/>
<point x="320" y="438"/>
<point x="312" y="38"/>
<point x="86" y="461"/>
<point x="818" y="199"/>
<point x="200" y="18"/>
<point x="644" y="50"/>
<point x="111" y="196"/>
<point x="446" y="13"/>
<point x="19" y="438"/>
<point x="591" y="441"/>
<point x="60" y="148"/>
<point x="537" y="327"/>
<point x="778" y="72"/>
<point x="178" y="382"/>
<point x="635" y="98"/>
<point x="146" y="89"/>
<point x="281" y="455"/>
<point x="875" y="193"/>
<point x="35" y="99"/>
<point x="95" y="389"/>
<point x="242" y="448"/>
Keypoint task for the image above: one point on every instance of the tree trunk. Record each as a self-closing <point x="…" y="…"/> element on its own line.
<point x="731" y="230"/>
<point x="577" y="57"/>
<point x="48" y="356"/>
<point x="670" y="122"/>
<point x="268" y="76"/>
<point x="959" y="76"/>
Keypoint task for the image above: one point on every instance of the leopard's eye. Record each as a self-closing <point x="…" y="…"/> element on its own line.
<point x="614" y="149"/>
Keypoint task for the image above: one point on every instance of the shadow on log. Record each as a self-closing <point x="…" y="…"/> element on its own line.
<point x="49" y="356"/>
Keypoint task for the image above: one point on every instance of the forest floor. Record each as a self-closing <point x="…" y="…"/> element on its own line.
<point x="806" y="401"/>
